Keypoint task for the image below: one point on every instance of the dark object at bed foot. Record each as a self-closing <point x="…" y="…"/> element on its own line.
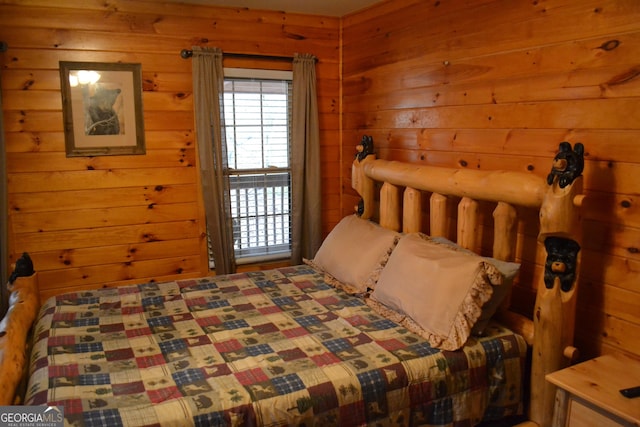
<point x="24" y="268"/>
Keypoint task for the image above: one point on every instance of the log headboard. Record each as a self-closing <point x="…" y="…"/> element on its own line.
<point x="557" y="199"/>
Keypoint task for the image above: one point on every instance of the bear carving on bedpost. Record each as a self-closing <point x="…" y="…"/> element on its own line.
<point x="24" y="303"/>
<point x="555" y="306"/>
<point x="362" y="183"/>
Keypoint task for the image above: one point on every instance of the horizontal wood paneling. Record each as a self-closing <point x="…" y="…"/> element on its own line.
<point x="105" y="217"/>
<point x="488" y="84"/>
<point x="104" y="221"/>
<point x="104" y="199"/>
<point x="97" y="179"/>
<point x="47" y="161"/>
<point x="107" y="236"/>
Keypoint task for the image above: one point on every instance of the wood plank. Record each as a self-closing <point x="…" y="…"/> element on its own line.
<point x="381" y="10"/>
<point x="98" y="179"/>
<point x="95" y="256"/>
<point x="20" y="79"/>
<point x="227" y="13"/>
<point x="107" y="273"/>
<point x="28" y="59"/>
<point x="53" y="201"/>
<point x="601" y="144"/>
<point x="612" y="239"/>
<point x="168" y="19"/>
<point x="534" y="87"/>
<point x="57" y="161"/>
<point x="105" y="236"/>
<point x="586" y="113"/>
<point x="612" y="270"/>
<point x="152" y="80"/>
<point x="545" y="25"/>
<point x="76" y="218"/>
<point x="568" y="68"/>
<point x="165" y="62"/>
<point x="25" y="142"/>
<point x="51" y="121"/>
<point x="607" y="335"/>
<point x="611" y="300"/>
<point x="600" y="206"/>
<point x="33" y="121"/>
<point x="233" y="39"/>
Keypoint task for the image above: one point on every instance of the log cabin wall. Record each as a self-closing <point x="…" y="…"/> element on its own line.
<point x="122" y="219"/>
<point x="498" y="84"/>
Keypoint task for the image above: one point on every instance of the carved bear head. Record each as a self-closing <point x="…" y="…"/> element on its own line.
<point x="562" y="256"/>
<point x="568" y="164"/>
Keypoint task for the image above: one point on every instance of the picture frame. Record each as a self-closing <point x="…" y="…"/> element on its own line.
<point x="102" y="108"/>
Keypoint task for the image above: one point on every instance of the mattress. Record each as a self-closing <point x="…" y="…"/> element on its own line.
<point x="269" y="348"/>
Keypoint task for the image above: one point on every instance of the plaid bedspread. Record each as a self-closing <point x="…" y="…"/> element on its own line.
<point x="268" y="348"/>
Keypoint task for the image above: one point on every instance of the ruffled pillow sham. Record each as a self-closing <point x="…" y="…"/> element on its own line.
<point x="354" y="253"/>
<point x="434" y="290"/>
<point x="509" y="271"/>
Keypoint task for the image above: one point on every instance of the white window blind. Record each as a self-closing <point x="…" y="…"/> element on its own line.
<point x="257" y="116"/>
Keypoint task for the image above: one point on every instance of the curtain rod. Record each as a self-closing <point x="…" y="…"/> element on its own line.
<point x="186" y="54"/>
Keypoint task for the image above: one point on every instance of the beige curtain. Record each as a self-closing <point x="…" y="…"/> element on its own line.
<point x="306" y="232"/>
<point x="208" y="81"/>
<point x="4" y="218"/>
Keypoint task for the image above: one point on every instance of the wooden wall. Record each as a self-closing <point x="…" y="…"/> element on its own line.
<point x="118" y="219"/>
<point x="498" y="84"/>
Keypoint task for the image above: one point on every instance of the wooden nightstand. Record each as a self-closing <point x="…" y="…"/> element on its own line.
<point x="588" y="393"/>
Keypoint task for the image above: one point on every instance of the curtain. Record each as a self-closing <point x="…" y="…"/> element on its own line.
<point x="306" y="206"/>
<point x="208" y="89"/>
<point x="4" y="210"/>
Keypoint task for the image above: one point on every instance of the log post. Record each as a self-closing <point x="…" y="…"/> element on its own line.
<point x="411" y="210"/>
<point x="360" y="182"/>
<point x="504" y="231"/>
<point x="439" y="216"/>
<point x="468" y="218"/>
<point x="505" y="220"/>
<point x="390" y="217"/>
<point x="14" y="329"/>
<point x="555" y="307"/>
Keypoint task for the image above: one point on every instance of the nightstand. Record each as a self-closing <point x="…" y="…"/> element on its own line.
<point x="588" y="393"/>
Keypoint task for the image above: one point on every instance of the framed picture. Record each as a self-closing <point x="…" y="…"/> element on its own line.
<point x="102" y="108"/>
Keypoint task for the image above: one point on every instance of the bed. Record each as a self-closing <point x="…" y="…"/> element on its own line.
<point x="386" y="325"/>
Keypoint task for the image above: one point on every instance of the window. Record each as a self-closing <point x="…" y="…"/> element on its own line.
<point x="257" y="116"/>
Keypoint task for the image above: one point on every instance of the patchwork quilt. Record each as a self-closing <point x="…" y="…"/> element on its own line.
<point x="268" y="348"/>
